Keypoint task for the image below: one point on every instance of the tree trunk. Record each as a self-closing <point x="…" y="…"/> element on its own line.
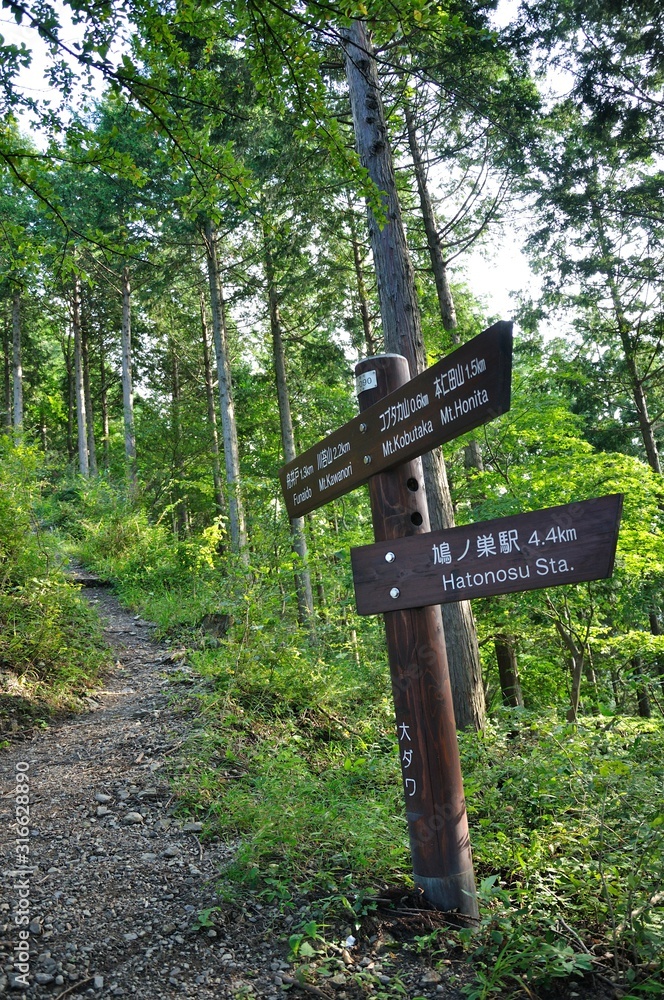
<point x="43" y="433"/>
<point x="591" y="680"/>
<point x="629" y="351"/>
<point x="180" y="515"/>
<point x="305" y="600"/>
<point x="394" y="271"/>
<point x="81" y="423"/>
<point x="319" y="586"/>
<point x="7" y="369"/>
<point x="615" y="687"/>
<point x="577" y="658"/>
<point x="458" y="622"/>
<point x="92" y="450"/>
<point x="69" y="366"/>
<point x="127" y="385"/>
<point x="576" y="646"/>
<point x="640" y="401"/>
<point x="103" y="395"/>
<point x="642" y="699"/>
<point x="473" y="454"/>
<point x="438" y="264"/>
<point x="228" y="425"/>
<point x="363" y="297"/>
<point x="212" y="414"/>
<point x="472" y="458"/>
<point x="577" y="673"/>
<point x="403" y="335"/>
<point x="656" y="630"/>
<point x="17" y="364"/>
<point x="320" y="593"/>
<point x="508" y="671"/>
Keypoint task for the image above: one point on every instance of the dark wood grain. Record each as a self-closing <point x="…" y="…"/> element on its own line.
<point x="571" y="543"/>
<point x="429" y="753"/>
<point x="467" y="388"/>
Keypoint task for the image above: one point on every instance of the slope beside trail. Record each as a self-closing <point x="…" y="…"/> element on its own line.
<point x="119" y="881"/>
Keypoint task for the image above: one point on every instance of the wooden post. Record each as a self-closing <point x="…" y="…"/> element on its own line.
<point x="428" y="748"/>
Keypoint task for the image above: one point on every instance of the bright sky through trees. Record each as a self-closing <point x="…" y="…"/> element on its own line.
<point x="497" y="273"/>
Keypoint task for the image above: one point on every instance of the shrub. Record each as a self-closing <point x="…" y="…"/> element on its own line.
<point x="50" y="641"/>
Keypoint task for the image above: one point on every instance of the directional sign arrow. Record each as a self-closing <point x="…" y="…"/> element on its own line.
<point x="543" y="548"/>
<point x="467" y="388"/>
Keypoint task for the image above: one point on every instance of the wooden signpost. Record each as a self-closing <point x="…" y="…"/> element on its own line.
<point x="410" y="571"/>
<point x="461" y="392"/>
<point x="543" y="548"/>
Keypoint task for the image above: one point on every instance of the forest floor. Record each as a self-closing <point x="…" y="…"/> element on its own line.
<point x="122" y="897"/>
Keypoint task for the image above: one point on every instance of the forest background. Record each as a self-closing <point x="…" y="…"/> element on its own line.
<point x="190" y="265"/>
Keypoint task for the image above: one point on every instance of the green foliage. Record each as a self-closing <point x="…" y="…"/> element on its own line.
<point x="48" y="635"/>
<point x="537" y="456"/>
<point x="50" y="643"/>
<point x="566" y="824"/>
<point x="308" y="814"/>
<point x="293" y="757"/>
<point x="300" y="944"/>
<point x="294" y="752"/>
<point x="150" y="567"/>
<point x="17" y="492"/>
<point x="571" y="818"/>
<point x="205" y="918"/>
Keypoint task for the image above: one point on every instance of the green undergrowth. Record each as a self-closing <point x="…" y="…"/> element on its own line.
<point x="567" y="826"/>
<point x="51" y="647"/>
<point x="293" y="759"/>
<point x="173" y="580"/>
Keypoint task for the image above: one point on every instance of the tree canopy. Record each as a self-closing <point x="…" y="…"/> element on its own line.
<point x="195" y="253"/>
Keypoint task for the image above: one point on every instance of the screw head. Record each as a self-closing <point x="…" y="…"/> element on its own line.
<point x="390" y="557"/>
<point x="395" y="592"/>
<point x="367" y="459"/>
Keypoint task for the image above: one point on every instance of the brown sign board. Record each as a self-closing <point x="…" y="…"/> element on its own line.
<point x="543" y="548"/>
<point x="464" y="390"/>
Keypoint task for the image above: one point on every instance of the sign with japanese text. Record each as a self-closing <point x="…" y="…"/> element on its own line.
<point x="464" y="390"/>
<point x="414" y="573"/>
<point x="543" y="548"/>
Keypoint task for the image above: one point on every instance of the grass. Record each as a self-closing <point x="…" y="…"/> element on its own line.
<point x="293" y="760"/>
<point x="51" y="647"/>
<point x="51" y="652"/>
<point x="567" y="822"/>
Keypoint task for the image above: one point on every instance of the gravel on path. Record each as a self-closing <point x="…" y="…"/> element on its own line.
<point x="116" y="880"/>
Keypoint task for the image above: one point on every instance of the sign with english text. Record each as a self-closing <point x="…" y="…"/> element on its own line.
<point x="571" y="543"/>
<point x="464" y="390"/>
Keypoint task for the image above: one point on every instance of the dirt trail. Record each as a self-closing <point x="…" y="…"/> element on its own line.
<point x="117" y="881"/>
